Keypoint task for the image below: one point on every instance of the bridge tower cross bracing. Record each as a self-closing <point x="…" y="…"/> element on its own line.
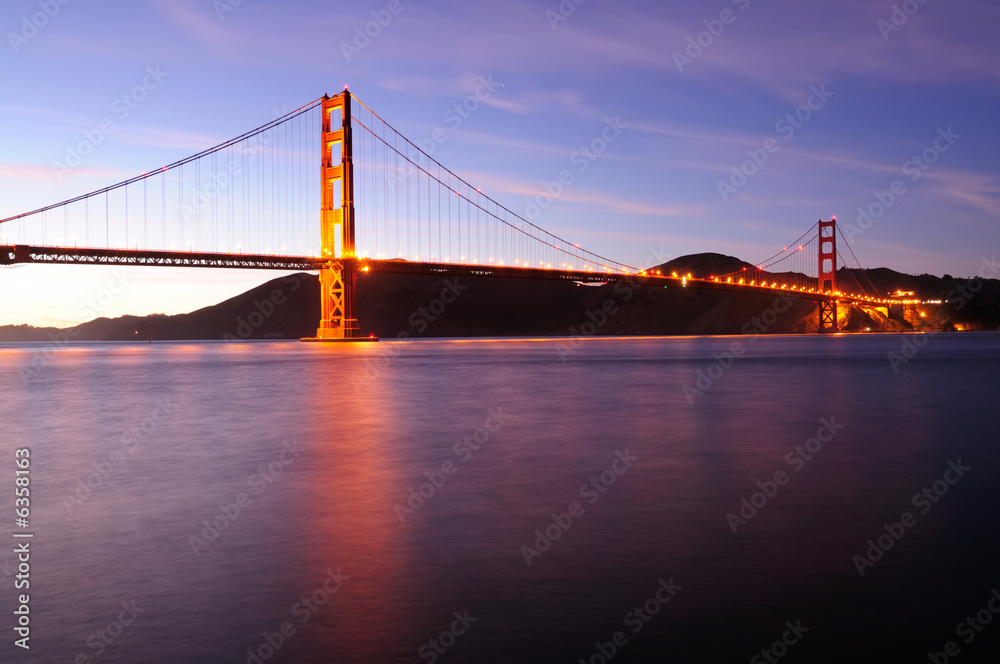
<point x="827" y="274"/>
<point x="337" y="277"/>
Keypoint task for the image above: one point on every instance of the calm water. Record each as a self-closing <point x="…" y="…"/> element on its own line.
<point x="134" y="448"/>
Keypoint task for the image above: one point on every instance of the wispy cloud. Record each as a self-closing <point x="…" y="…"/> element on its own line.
<point x="12" y="174"/>
<point x="978" y="191"/>
<point x="498" y="185"/>
<point x="199" y="21"/>
<point x="164" y="138"/>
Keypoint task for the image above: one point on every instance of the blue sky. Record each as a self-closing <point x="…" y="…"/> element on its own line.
<point x="701" y="87"/>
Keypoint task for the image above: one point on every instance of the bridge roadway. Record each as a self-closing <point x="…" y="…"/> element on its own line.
<point x="17" y="254"/>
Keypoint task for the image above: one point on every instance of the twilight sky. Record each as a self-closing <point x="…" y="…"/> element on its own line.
<point x="837" y="101"/>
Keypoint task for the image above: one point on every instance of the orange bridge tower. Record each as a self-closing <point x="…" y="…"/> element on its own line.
<point x="828" y="274"/>
<point x="338" y="277"/>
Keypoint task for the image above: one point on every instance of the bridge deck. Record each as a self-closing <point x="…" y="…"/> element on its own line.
<point x="14" y="254"/>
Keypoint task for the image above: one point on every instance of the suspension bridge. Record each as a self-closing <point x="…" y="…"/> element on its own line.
<point x="332" y="187"/>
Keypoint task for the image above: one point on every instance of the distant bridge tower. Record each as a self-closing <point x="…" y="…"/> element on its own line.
<point x="827" y="274"/>
<point x="337" y="278"/>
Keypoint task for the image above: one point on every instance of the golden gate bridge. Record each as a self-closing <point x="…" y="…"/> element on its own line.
<point x="333" y="187"/>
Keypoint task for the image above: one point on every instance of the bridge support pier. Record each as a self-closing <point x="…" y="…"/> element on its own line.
<point x="338" y="277"/>
<point x="336" y="283"/>
<point x="828" y="316"/>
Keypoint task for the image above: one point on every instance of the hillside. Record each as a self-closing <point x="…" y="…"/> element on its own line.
<point x="388" y="305"/>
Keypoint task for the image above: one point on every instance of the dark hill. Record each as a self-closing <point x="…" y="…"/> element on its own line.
<point x="703" y="265"/>
<point x="388" y="305"/>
